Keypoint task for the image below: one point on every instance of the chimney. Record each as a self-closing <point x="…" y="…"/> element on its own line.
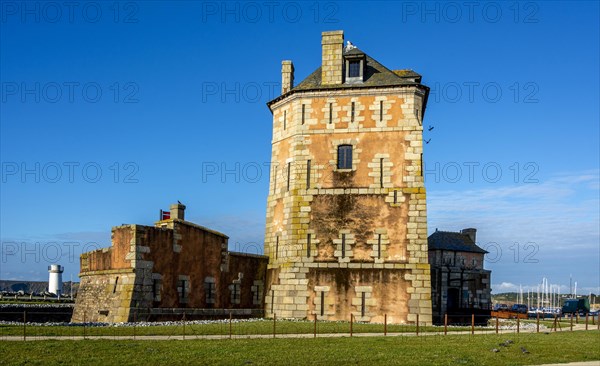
<point x="177" y="211"/>
<point x="287" y="76"/>
<point x="471" y="232"/>
<point x="332" y="60"/>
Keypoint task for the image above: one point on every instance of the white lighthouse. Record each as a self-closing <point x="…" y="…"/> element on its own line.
<point x="55" y="272"/>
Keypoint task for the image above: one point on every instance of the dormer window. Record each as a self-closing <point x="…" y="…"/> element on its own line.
<point x="354" y="69"/>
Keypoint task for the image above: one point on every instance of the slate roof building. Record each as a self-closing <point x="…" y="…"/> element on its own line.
<point x="460" y="286"/>
<point x="346" y="223"/>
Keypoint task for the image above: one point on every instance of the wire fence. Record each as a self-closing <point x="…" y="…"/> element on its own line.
<point x="23" y="328"/>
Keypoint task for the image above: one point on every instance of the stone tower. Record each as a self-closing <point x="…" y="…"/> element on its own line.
<point x="346" y="230"/>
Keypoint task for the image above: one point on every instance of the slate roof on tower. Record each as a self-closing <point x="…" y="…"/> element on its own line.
<point x="448" y="240"/>
<point x="376" y="75"/>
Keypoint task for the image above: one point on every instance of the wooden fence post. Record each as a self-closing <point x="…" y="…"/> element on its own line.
<point x="25" y="325"/>
<point x="518" y="323"/>
<point x="446" y="324"/>
<point x="351" y="320"/>
<point x="417" y="324"/>
<point x="472" y="323"/>
<point x="537" y="321"/>
<point x="496" y="324"/>
<point x="230" y="324"/>
<point x="571" y="322"/>
<point x="274" y="324"/>
<point x="384" y="324"/>
<point x="315" y="327"/>
<point x="183" y="320"/>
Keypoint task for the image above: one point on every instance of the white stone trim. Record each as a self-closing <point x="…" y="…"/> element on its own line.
<point x="335" y="143"/>
<point x="375" y="241"/>
<point x="357" y="302"/>
<point x="344" y="254"/>
<point x="328" y="306"/>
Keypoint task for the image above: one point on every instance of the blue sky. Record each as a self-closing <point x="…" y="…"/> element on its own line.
<point x="111" y="111"/>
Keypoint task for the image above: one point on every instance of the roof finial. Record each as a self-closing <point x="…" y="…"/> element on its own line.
<point x="349" y="46"/>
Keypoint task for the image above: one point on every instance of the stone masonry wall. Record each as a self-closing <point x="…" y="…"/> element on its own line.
<point x="463" y="272"/>
<point x="173" y="265"/>
<point x="108" y="280"/>
<point x="333" y="43"/>
<point x="104" y="296"/>
<point x="250" y="272"/>
<point x="370" y="217"/>
<point x="186" y="257"/>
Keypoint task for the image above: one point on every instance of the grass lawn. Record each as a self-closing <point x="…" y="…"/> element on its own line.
<point x="430" y="350"/>
<point x="564" y="323"/>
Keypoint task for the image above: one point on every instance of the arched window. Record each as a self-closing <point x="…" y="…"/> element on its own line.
<point x="344" y="160"/>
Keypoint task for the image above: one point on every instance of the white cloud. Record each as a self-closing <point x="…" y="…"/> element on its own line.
<point x="246" y="230"/>
<point x="555" y="225"/>
<point x="505" y="287"/>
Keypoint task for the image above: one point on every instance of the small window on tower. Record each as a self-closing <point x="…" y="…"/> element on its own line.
<point x="354" y="71"/>
<point x="344" y="160"/>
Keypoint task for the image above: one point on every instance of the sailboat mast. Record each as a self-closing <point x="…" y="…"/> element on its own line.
<point x="570" y="285"/>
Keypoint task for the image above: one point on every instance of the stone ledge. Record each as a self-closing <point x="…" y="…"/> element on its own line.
<point x="106" y="272"/>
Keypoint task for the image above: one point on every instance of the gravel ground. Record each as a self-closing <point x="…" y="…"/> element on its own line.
<point x="36" y="306"/>
<point x="504" y="325"/>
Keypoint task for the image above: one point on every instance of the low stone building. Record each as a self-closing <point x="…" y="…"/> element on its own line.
<point x="460" y="286"/>
<point x="158" y="272"/>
